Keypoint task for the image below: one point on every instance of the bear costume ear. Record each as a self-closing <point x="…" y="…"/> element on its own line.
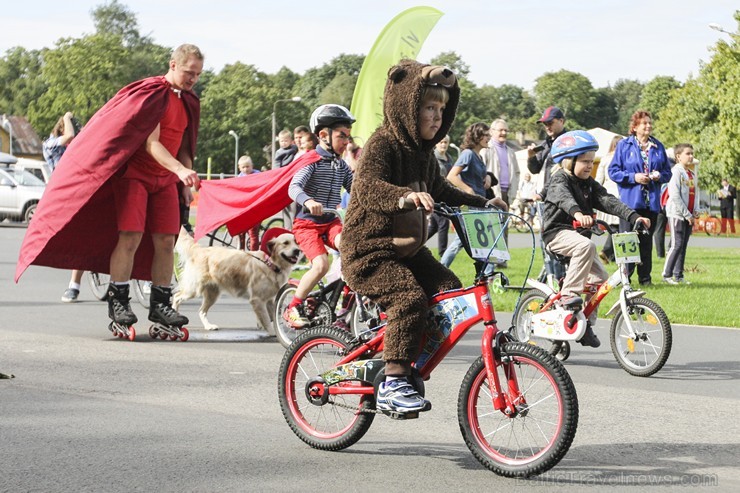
<point x="435" y="75"/>
<point x="396" y="73"/>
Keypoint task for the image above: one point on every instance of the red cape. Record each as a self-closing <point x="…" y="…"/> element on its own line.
<point x="75" y="223"/>
<point x="240" y="203"/>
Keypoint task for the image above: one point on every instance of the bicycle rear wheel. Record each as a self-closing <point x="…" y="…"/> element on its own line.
<point x="333" y="423"/>
<point x="646" y="352"/>
<point x="539" y="435"/>
<point x="142" y="290"/>
<point x="99" y="284"/>
<point x="531" y="303"/>
<point x="285" y="333"/>
<point x="221" y="237"/>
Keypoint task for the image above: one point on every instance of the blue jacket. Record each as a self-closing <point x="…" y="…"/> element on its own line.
<point x="627" y="162"/>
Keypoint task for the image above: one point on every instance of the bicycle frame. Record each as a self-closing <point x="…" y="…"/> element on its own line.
<point x="477" y="298"/>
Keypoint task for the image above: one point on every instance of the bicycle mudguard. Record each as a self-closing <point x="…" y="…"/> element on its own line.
<point x="533" y="283"/>
<point x="630" y="295"/>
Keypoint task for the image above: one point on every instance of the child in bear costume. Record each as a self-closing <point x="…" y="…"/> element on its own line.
<point x="383" y="252"/>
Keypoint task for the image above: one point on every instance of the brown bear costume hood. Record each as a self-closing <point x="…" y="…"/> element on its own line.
<point x="404" y="90"/>
<point x="396" y="162"/>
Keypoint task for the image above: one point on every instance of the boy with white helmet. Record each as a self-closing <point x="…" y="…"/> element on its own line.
<point x="316" y="187"/>
<point x="573" y="194"/>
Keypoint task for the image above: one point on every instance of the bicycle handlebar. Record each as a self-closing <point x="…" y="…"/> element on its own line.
<point x="600" y="227"/>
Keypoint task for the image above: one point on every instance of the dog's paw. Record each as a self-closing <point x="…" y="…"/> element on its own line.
<point x="211" y="327"/>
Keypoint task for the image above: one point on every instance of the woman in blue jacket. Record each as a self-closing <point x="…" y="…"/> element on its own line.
<point x="640" y="165"/>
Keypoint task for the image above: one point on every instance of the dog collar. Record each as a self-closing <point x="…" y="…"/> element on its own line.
<point x="266" y="260"/>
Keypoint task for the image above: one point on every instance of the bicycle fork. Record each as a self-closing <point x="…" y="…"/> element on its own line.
<point x="509" y="402"/>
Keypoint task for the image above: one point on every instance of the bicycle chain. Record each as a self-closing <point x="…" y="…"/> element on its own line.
<point x="355" y="409"/>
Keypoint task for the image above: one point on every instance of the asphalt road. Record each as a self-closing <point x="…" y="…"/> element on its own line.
<point x="86" y="412"/>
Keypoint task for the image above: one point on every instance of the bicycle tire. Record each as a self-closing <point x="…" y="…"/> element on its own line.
<point x="540" y="434"/>
<point x="285" y="333"/>
<point x="140" y="293"/>
<point x="648" y="353"/>
<point x="530" y="303"/>
<point x="99" y="284"/>
<point x="362" y="316"/>
<point x="712" y="226"/>
<point x="322" y="426"/>
<point x="275" y="222"/>
<point x="221" y="237"/>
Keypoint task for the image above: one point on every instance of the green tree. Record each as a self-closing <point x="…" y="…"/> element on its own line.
<point x="20" y="80"/>
<point x="626" y="94"/>
<point x="315" y="80"/>
<point x="705" y="112"/>
<point x="241" y="98"/>
<point x="655" y="96"/>
<point x="571" y="92"/>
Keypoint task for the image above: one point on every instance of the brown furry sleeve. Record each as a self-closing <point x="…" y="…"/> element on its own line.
<point x="373" y="187"/>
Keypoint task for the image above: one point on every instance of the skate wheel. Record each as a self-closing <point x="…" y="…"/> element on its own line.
<point x="185" y="334"/>
<point x="163" y="335"/>
<point x="131" y="333"/>
<point x="173" y="337"/>
<point x="119" y="333"/>
<point x="153" y="332"/>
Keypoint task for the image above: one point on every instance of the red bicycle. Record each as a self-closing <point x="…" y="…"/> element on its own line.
<point x="517" y="406"/>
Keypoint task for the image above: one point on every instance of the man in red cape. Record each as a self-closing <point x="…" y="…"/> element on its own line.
<point x="75" y="226"/>
<point x="240" y="203"/>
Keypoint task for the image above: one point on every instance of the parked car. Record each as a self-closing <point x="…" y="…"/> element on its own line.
<point x="20" y="192"/>
<point x="39" y="168"/>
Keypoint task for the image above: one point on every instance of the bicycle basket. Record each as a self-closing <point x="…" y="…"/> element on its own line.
<point x="481" y="234"/>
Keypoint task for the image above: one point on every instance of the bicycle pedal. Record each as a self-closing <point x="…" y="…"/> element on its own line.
<point x="401" y="416"/>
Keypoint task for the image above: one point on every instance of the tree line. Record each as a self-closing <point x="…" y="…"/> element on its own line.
<point x="81" y="74"/>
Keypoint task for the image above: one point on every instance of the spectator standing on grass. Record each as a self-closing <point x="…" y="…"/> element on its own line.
<point x="602" y="178"/>
<point x="554" y="121"/>
<point x="680" y="212"/>
<point x="639" y="166"/>
<point x="727" y="195"/>
<point x="437" y="224"/>
<point x="500" y="160"/>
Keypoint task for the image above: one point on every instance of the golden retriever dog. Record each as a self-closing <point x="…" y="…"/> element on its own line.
<point x="255" y="276"/>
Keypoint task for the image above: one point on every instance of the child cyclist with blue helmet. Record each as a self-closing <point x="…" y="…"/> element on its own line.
<point x="573" y="194"/>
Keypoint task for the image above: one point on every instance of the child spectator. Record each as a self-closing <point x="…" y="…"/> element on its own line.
<point x="573" y="194"/>
<point x="246" y="168"/>
<point x="316" y="187"/>
<point x="680" y="212"/>
<point x="287" y="150"/>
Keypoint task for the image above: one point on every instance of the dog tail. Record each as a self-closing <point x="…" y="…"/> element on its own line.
<point x="183" y="244"/>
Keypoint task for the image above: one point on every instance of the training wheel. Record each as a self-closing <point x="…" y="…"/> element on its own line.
<point x="563" y="351"/>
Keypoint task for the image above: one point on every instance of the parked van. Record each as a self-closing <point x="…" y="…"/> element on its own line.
<point x="40" y="169"/>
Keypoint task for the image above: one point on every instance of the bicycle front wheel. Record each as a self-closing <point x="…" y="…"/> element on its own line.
<point x="645" y="351"/>
<point x="142" y="291"/>
<point x="331" y="423"/>
<point x="284" y="332"/>
<point x="539" y="434"/>
<point x="99" y="284"/>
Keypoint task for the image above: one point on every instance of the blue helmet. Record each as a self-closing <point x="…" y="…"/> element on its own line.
<point x="572" y="144"/>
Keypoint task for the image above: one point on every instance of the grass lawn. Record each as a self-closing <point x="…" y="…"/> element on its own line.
<point x="714" y="274"/>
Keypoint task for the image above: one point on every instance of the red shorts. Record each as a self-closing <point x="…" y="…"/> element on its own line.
<point x="312" y="236"/>
<point x="147" y="202"/>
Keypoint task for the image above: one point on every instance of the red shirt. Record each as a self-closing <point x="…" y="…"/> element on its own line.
<point x="171" y="129"/>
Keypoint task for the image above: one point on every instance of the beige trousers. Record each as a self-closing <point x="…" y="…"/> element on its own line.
<point x="583" y="261"/>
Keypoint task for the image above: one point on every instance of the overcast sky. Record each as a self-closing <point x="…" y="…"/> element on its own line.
<point x="503" y="42"/>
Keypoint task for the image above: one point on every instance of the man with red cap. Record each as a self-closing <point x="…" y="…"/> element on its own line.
<point x="538" y="156"/>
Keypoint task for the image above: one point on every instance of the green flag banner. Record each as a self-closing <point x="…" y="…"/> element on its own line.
<point x="402" y="38"/>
